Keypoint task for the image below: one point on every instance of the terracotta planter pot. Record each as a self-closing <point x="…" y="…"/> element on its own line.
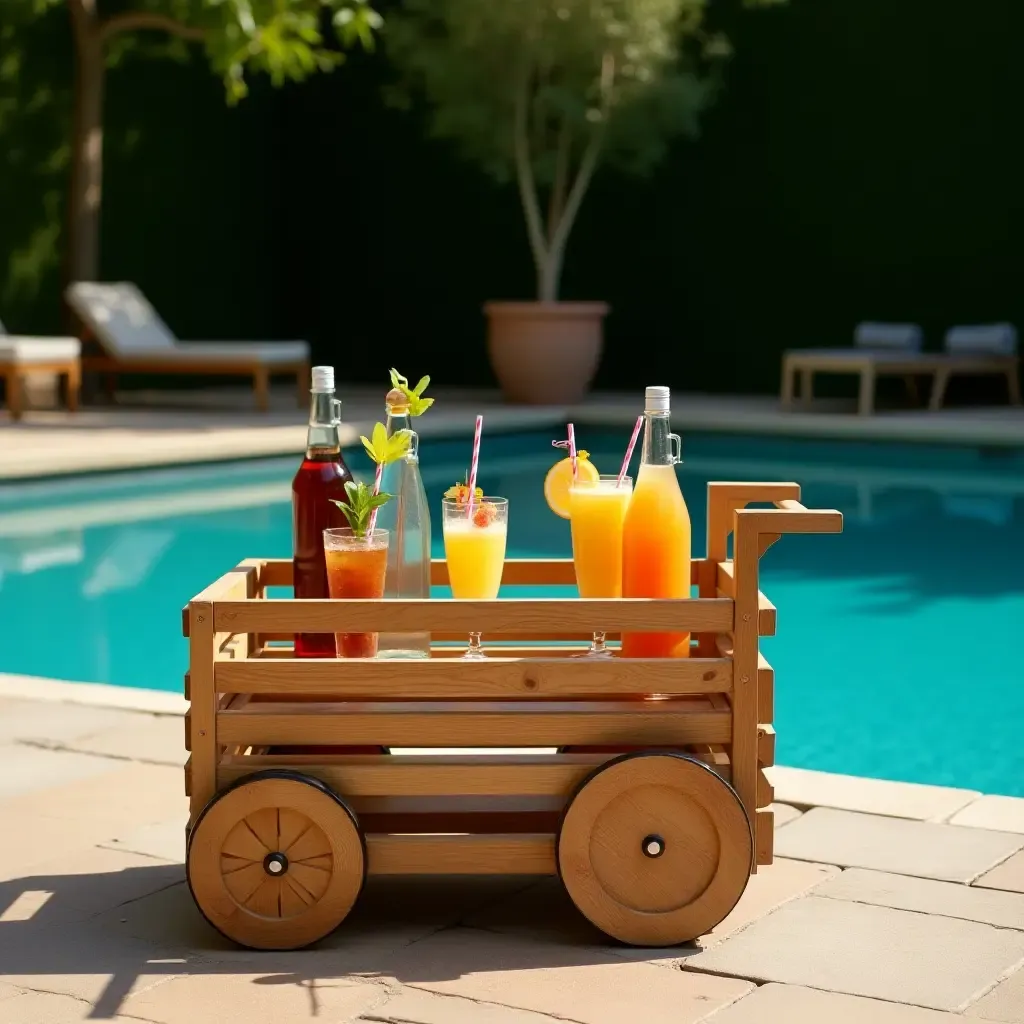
<point x="545" y="353"/>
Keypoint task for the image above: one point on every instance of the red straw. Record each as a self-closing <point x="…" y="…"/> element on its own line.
<point x="629" y="451"/>
<point x="474" y="465"/>
<point x="572" y="450"/>
<point x="376" y="491"/>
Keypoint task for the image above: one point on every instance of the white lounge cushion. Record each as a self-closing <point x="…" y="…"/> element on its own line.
<point x="982" y="340"/>
<point x="131" y="330"/>
<point x="25" y="351"/>
<point x="121" y="317"/>
<point x="906" y="337"/>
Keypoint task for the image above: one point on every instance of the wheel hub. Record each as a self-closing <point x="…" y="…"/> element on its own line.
<point x="653" y="846"/>
<point x="275" y="864"/>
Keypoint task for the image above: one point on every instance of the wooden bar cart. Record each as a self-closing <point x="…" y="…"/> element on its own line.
<point x="640" y="782"/>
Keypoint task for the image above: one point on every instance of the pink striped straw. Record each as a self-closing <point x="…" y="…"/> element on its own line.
<point x="376" y="491"/>
<point x="572" y="450"/>
<point x="474" y="465"/>
<point x="629" y="451"/>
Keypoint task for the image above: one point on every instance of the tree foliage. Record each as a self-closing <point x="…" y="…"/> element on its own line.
<point x="545" y="90"/>
<point x="286" y="39"/>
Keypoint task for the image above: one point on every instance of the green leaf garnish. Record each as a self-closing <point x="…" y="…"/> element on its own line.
<point x="417" y="404"/>
<point x="383" y="449"/>
<point x="360" y="505"/>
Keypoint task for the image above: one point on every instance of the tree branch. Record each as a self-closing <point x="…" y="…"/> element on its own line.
<point x="133" y="21"/>
<point x="560" y="183"/>
<point x="524" y="174"/>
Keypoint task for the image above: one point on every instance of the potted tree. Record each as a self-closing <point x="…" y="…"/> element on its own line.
<point x="545" y="92"/>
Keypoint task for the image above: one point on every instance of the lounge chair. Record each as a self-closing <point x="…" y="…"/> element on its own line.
<point x="878" y="350"/>
<point x="980" y="349"/>
<point x="21" y="356"/>
<point x="135" y="340"/>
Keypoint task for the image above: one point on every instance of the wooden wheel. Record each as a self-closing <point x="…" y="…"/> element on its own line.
<point x="276" y="861"/>
<point x="655" y="849"/>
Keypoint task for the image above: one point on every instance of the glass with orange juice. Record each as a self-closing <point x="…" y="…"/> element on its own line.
<point x="597" y="512"/>
<point x="356" y="566"/>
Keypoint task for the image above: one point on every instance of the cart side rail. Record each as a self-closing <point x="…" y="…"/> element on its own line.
<point x="754" y="531"/>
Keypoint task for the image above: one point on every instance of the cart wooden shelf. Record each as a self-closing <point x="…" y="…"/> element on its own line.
<point x="640" y="782"/>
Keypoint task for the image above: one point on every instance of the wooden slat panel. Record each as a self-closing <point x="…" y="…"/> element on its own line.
<point x="276" y="572"/>
<point x="405" y="775"/>
<point x="544" y="724"/>
<point x="765" y="680"/>
<point x="188" y="686"/>
<point x="764" y="837"/>
<point x="765" y="745"/>
<point x="461" y="855"/>
<point x="495" y="678"/>
<point x="498" y="617"/>
<point x="767" y="616"/>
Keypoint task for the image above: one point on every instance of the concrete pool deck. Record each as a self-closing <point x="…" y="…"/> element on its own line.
<point x="221" y="425"/>
<point x="887" y="902"/>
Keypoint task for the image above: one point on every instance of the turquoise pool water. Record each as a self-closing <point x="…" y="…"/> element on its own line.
<point x="897" y="652"/>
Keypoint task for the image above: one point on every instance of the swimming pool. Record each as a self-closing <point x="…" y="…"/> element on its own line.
<point x="896" y="655"/>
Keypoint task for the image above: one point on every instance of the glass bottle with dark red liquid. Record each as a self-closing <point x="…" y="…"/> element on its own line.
<point x="321" y="477"/>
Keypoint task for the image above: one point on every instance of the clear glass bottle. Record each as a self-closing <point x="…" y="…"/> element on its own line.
<point x="321" y="477"/>
<point x="656" y="531"/>
<point x="407" y="518"/>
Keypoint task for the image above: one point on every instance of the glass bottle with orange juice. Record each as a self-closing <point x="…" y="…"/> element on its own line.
<point x="656" y="536"/>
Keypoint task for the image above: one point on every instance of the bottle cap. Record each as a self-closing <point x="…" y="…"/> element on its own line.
<point x="323" y="379"/>
<point x="656" y="399"/>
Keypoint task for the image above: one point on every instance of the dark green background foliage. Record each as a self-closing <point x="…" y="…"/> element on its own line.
<point x="864" y="160"/>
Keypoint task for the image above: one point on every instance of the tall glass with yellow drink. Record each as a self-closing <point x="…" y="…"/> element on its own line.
<point x="597" y="511"/>
<point x="474" y="548"/>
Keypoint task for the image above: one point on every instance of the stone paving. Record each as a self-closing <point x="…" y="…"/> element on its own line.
<point x="160" y="429"/>
<point x="887" y="903"/>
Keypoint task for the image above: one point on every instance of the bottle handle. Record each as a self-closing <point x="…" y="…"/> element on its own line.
<point x="335" y="412"/>
<point x="677" y="448"/>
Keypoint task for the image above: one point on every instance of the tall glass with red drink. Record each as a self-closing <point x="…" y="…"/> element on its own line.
<point x="356" y="567"/>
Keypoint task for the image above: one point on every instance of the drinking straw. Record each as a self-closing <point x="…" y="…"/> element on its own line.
<point x="572" y="450"/>
<point x="629" y="451"/>
<point x="474" y="465"/>
<point x="376" y="490"/>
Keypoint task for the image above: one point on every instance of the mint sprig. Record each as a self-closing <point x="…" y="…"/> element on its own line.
<point x="360" y="505"/>
<point x="417" y="404"/>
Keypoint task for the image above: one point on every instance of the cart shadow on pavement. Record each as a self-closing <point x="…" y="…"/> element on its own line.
<point x="101" y="936"/>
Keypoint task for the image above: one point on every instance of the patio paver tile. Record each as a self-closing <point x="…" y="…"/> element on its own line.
<point x="579" y="984"/>
<point x="804" y="788"/>
<point x="125" y="794"/>
<point x="146" y="738"/>
<point x="927" y="896"/>
<point x="1004" y="1003"/>
<point x="1009" y="875"/>
<point x="257" y="998"/>
<point x="922" y="849"/>
<point x="937" y="962"/>
<point x="791" y="1004"/>
<point x="164" y="840"/>
<point x="418" y="1006"/>
<point x="56" y="723"/>
<point x="784" y="814"/>
<point x="999" y="813"/>
<point x="27" y="770"/>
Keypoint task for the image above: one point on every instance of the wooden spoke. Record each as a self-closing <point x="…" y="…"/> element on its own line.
<point x="276" y="862"/>
<point x="655" y="849"/>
